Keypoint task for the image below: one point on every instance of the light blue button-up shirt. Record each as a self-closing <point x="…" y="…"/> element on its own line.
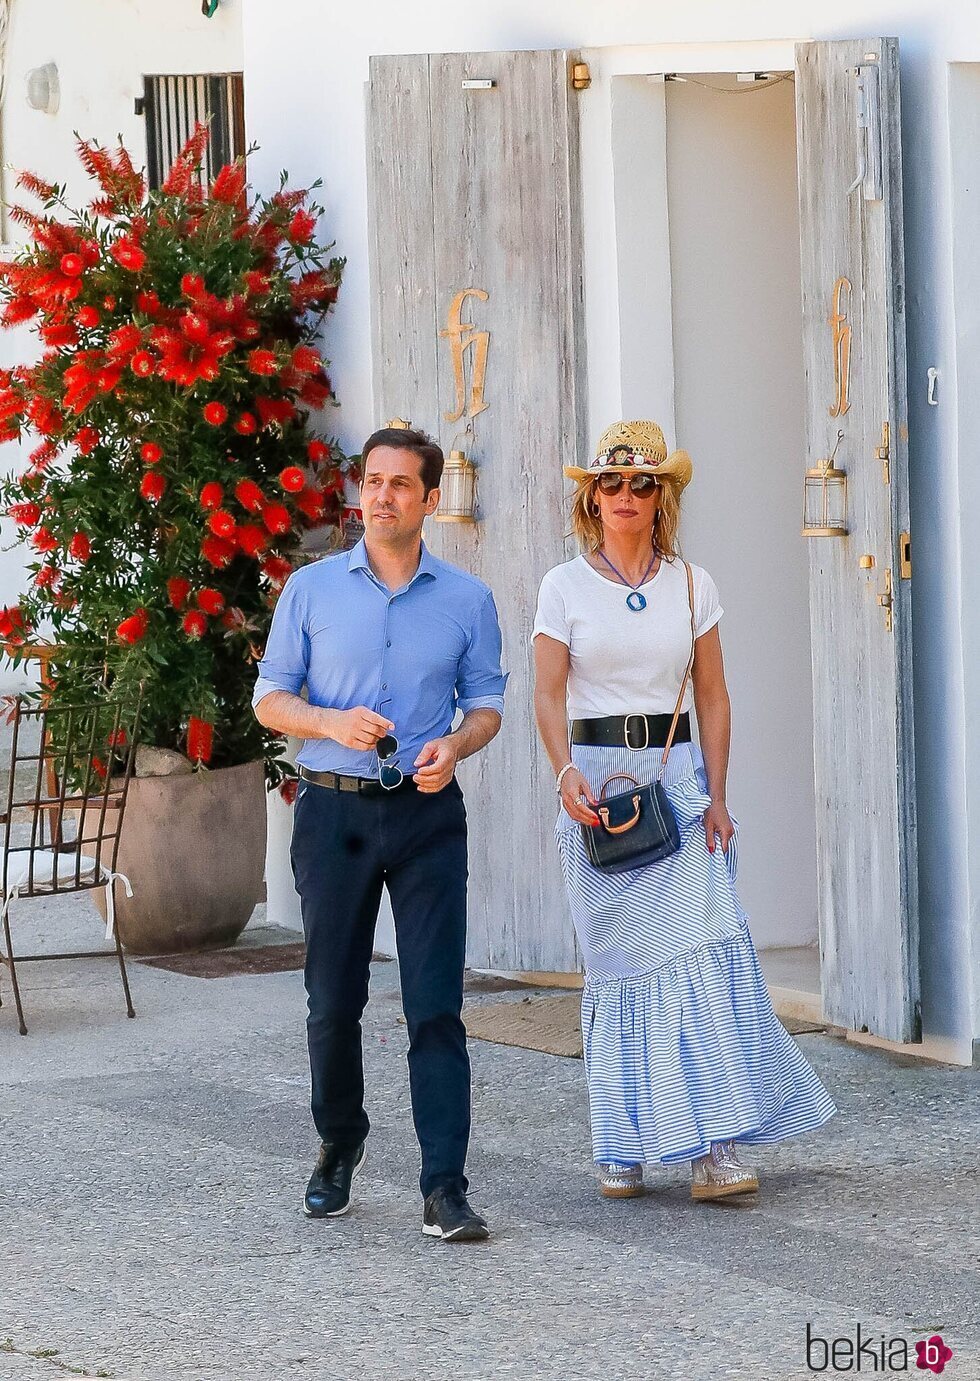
<point x="414" y="655"/>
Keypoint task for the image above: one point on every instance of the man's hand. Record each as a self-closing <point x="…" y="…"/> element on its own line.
<point x="437" y="764"/>
<point x="359" y="728"/>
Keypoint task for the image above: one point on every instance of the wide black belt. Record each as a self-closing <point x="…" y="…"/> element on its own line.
<point x="360" y="786"/>
<point x="636" y="731"/>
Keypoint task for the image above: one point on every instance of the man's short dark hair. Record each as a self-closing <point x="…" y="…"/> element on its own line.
<point x="407" y="439"/>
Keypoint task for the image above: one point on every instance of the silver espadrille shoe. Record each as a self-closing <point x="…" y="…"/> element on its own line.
<point x="721" y="1173"/>
<point x="619" y="1181"/>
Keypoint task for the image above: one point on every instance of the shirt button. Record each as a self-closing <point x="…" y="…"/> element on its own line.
<point x="385" y="686"/>
<point x="387" y="644"/>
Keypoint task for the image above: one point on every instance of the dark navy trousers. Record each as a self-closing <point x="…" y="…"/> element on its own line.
<point x="345" y="848"/>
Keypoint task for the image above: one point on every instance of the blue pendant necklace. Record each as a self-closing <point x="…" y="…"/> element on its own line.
<point x="634" y="600"/>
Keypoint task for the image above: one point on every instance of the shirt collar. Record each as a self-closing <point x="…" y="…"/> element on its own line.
<point x="358" y="561"/>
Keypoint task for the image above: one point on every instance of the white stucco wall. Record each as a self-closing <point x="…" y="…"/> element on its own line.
<point x="102" y="49"/>
<point x="319" y="131"/>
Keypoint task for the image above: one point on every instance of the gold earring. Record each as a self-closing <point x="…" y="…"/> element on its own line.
<point x="595" y="509"/>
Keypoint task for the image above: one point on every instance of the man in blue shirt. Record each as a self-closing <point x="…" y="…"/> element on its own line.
<point x="389" y="642"/>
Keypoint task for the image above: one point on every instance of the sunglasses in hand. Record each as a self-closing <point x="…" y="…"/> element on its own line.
<point x="389" y="775"/>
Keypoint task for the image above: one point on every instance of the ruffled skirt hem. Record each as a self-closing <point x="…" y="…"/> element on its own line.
<point x="693" y="1053"/>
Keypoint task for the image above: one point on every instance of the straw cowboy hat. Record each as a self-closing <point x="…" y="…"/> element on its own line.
<point x="631" y="447"/>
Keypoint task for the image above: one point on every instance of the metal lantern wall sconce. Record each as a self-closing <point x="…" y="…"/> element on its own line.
<point x="458" y="502"/>
<point x="825" y="498"/>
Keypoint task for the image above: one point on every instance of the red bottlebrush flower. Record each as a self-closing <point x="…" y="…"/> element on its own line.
<point x="192" y="285"/>
<point x="42" y="456"/>
<point x="252" y="539"/>
<point x="301" y="227"/>
<point x="47" y="577"/>
<point x="184" y="361"/>
<point x="278" y="569"/>
<point x="80" y="547"/>
<point x="292" y="479"/>
<point x="318" y="451"/>
<point x="88" y="318"/>
<point x="19" y="309"/>
<point x="148" y="303"/>
<point x="117" y="739"/>
<point x="274" y="410"/>
<point x="288" y="790"/>
<point x="217" y="552"/>
<point x="151" y="453"/>
<point x="311" y="502"/>
<point x="107" y="379"/>
<point x="58" y="334"/>
<point x="89" y="250"/>
<point x="72" y="265"/>
<point x="249" y="495"/>
<point x="262" y="362"/>
<point x="124" y="341"/>
<point x="306" y="360"/>
<point x="44" y="415"/>
<point x="276" y="518"/>
<point x="86" y="439"/>
<point x="195" y="623"/>
<point x="229" y="184"/>
<point x="133" y="628"/>
<point x="215" y="414"/>
<point x="316" y="392"/>
<point x="128" y="254"/>
<point x="246" y="424"/>
<point x="221" y="523"/>
<point x="109" y="303"/>
<point x="11" y="620"/>
<point x="195" y="327"/>
<point x="143" y="364"/>
<point x="177" y="591"/>
<point x="153" y="486"/>
<point x="25" y="514"/>
<point x="257" y="283"/>
<point x="43" y="540"/>
<point x="212" y="495"/>
<point x="210" y="600"/>
<point x="200" y="739"/>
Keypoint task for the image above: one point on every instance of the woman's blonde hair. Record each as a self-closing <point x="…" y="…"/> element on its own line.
<point x="587" y="525"/>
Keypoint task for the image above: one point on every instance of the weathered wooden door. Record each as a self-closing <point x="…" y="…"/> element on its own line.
<point x="477" y="293"/>
<point x="850" y="179"/>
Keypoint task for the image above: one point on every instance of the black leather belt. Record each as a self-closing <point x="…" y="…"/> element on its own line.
<point x="360" y="786"/>
<point x="636" y="731"/>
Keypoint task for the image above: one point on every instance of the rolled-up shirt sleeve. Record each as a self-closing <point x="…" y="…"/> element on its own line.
<point x="480" y="683"/>
<point x="286" y="661"/>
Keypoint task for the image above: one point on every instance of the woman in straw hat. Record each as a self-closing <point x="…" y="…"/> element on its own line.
<point x="684" y="1054"/>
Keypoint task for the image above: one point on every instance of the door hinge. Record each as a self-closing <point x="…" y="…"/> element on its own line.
<point x="905" y="555"/>
<point x="884" y="452"/>
<point x="139" y="105"/>
<point x="885" y="600"/>
<point x="581" y="76"/>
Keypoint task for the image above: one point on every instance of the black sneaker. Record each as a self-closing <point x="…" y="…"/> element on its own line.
<point x="446" y="1214"/>
<point x="328" y="1192"/>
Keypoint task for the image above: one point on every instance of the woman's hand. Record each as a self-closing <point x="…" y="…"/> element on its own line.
<point x="718" y="825"/>
<point x="573" y="788"/>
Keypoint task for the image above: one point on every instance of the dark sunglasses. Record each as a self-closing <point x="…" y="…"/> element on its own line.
<point x="389" y="775"/>
<point x="640" y="485"/>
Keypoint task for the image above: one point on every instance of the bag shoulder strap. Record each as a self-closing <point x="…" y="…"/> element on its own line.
<point x="690" y="663"/>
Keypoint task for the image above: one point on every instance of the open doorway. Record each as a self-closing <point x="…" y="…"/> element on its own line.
<point x="718" y="216"/>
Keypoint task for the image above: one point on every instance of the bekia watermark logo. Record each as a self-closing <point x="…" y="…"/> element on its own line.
<point x="868" y="1353"/>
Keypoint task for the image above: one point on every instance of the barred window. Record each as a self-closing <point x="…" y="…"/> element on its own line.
<point x="173" y="105"/>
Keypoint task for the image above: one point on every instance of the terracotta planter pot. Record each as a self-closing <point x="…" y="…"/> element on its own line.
<point x="193" y="848"/>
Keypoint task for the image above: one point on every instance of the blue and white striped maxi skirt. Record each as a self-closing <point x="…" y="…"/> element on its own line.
<point x="682" y="1046"/>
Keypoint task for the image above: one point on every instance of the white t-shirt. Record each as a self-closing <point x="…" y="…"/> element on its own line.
<point x="624" y="662"/>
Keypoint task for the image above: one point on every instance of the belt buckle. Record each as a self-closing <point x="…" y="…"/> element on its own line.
<point x="638" y="748"/>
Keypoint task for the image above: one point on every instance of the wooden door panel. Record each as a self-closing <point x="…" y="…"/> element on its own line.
<point x="863" y="752"/>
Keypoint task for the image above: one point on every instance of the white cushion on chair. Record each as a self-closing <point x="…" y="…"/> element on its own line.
<point x="90" y="872"/>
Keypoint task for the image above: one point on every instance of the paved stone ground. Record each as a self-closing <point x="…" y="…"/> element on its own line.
<point x="151" y="1173"/>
